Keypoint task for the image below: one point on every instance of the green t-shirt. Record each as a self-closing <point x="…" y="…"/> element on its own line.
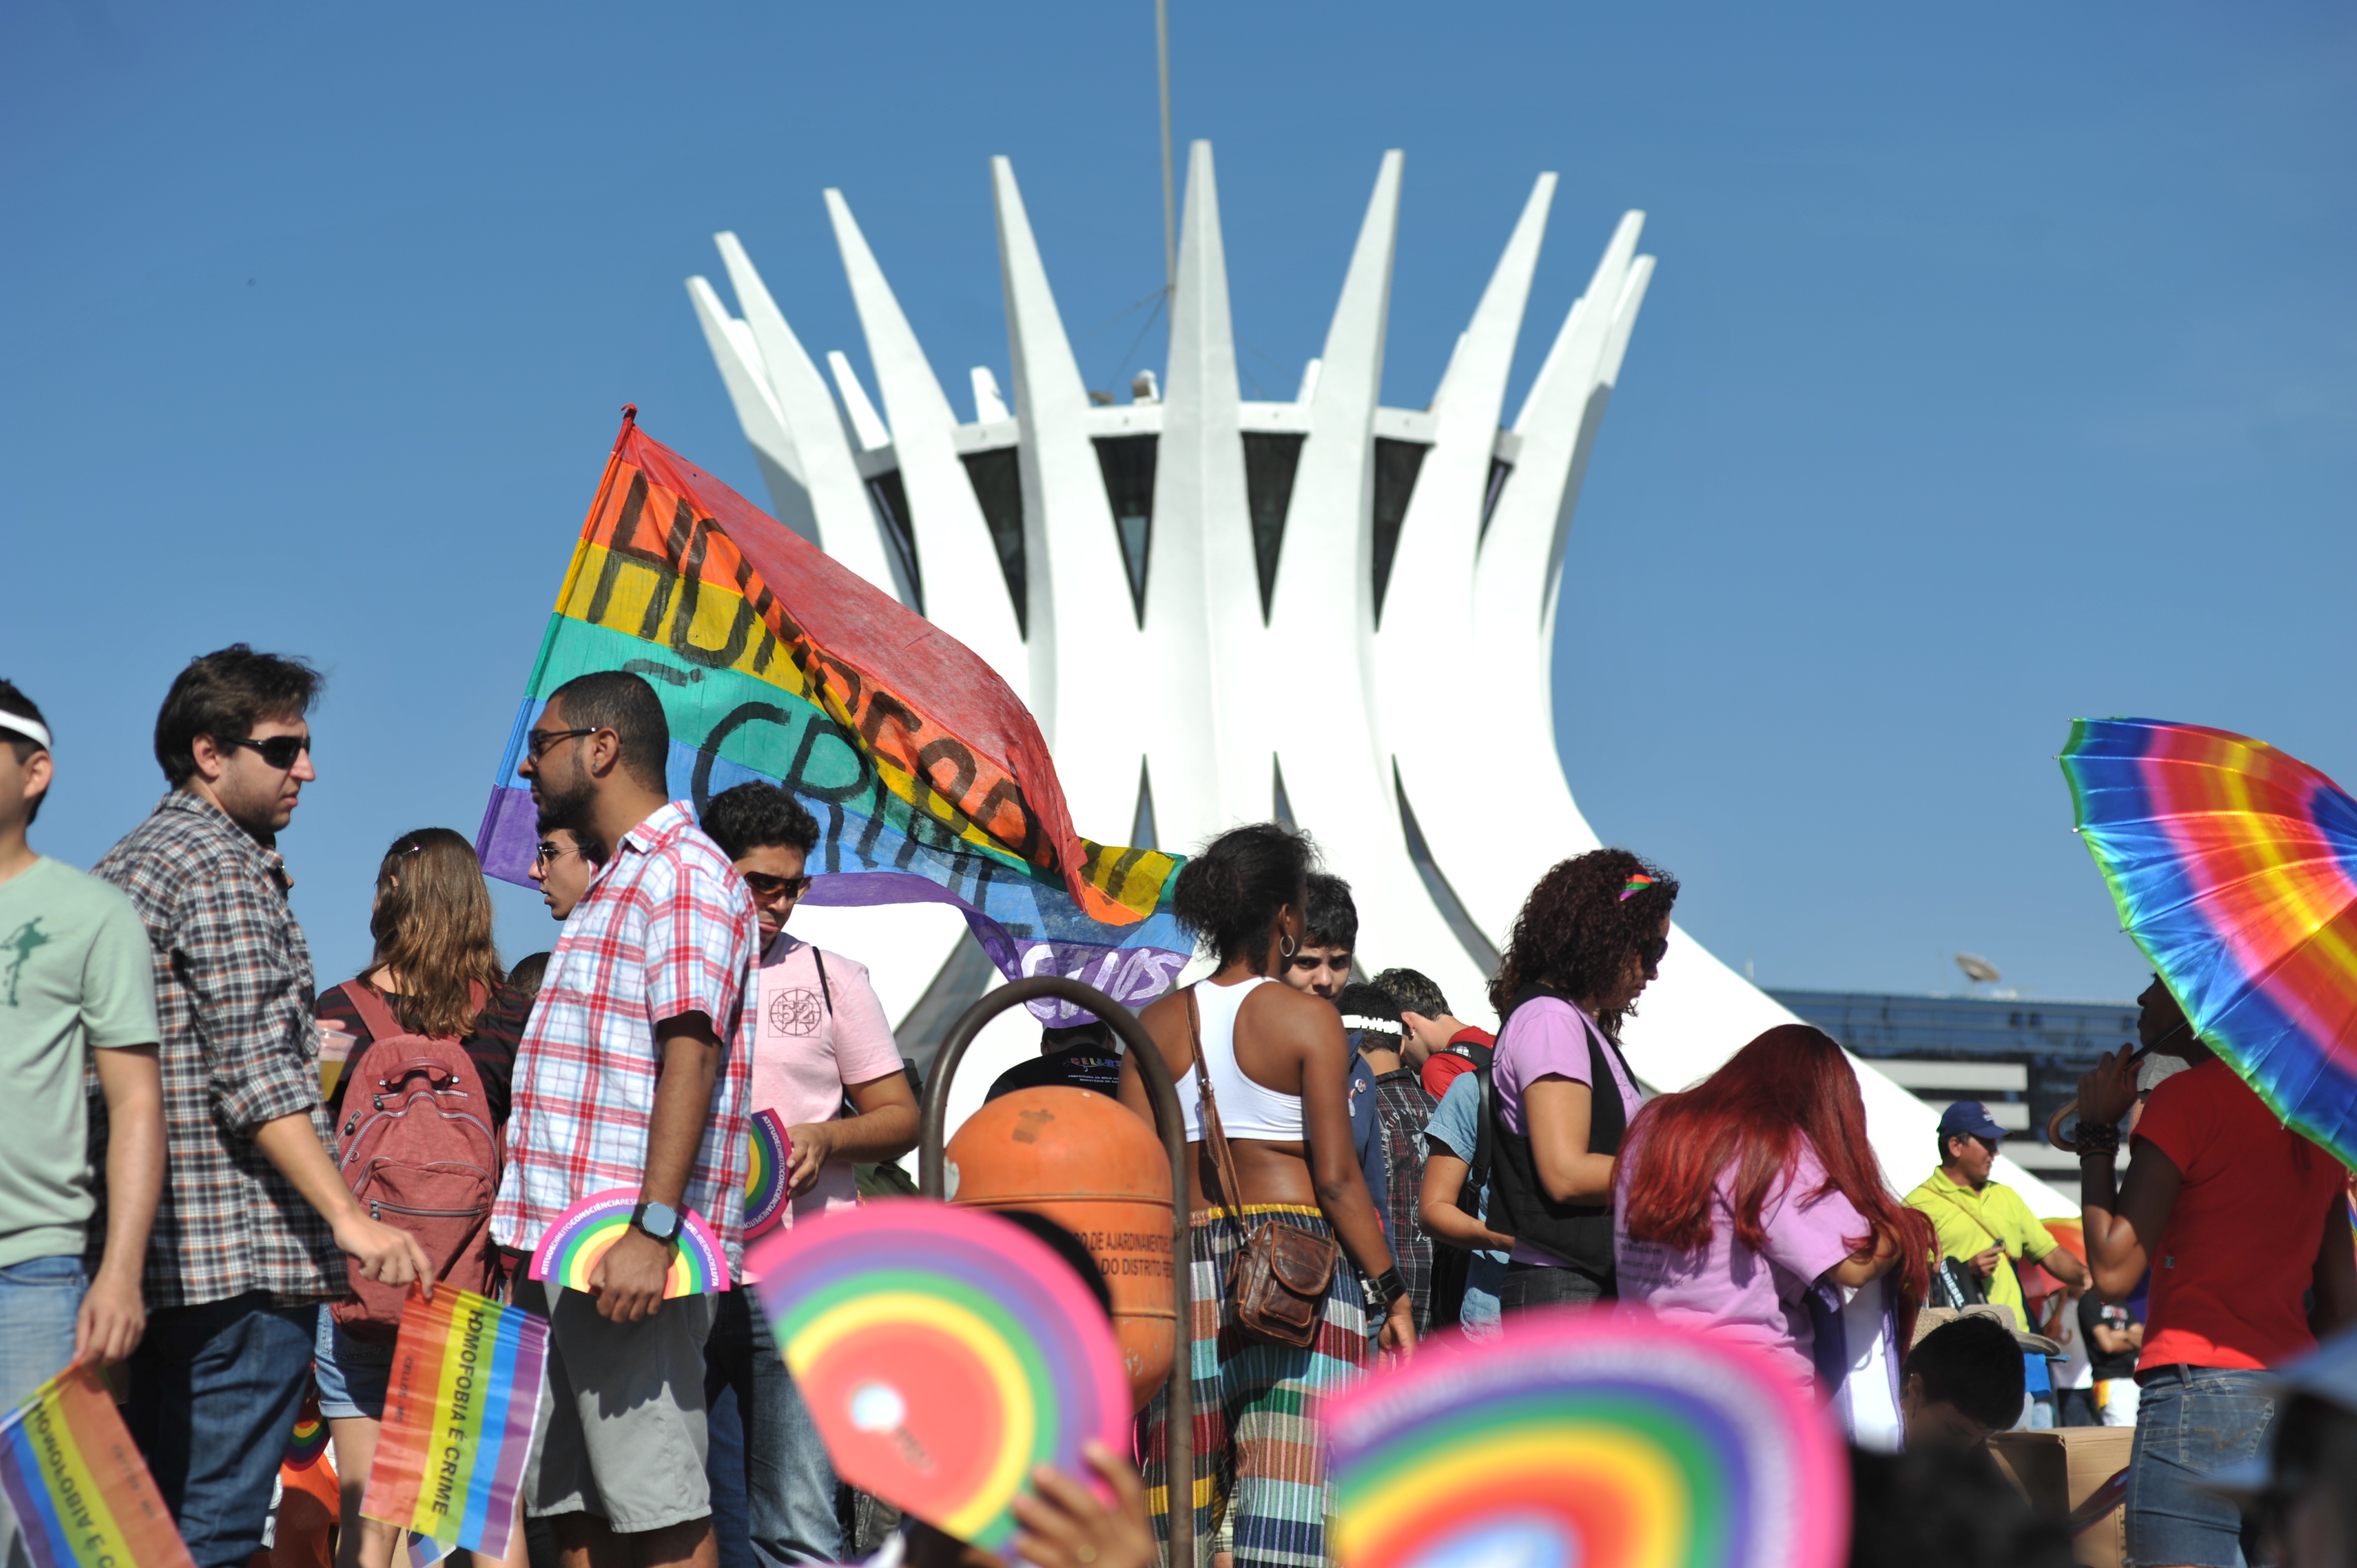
<point x="75" y="974"/>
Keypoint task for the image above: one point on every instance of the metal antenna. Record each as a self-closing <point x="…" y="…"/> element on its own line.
<point x="1170" y="204"/>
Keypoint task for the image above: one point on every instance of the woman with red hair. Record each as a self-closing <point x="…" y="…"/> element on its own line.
<point x="1742" y="1194"/>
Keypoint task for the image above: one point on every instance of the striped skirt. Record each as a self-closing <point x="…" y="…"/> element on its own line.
<point x="1258" y="1454"/>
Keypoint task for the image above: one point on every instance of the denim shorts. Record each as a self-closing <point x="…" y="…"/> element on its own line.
<point x="2192" y="1422"/>
<point x="352" y="1373"/>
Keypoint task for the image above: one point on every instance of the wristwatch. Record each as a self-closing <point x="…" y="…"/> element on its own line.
<point x="660" y="1221"/>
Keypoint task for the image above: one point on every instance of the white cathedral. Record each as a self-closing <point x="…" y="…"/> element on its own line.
<point x="1149" y="575"/>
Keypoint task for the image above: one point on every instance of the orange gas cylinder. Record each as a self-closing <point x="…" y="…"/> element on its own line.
<point x="1085" y="1161"/>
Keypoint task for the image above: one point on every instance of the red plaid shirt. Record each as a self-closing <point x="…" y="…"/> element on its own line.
<point x="666" y="929"/>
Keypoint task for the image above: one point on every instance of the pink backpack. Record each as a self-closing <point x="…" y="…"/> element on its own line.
<point x="417" y="1150"/>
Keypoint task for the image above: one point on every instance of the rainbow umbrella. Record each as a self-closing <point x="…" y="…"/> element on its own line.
<point x="2234" y="867"/>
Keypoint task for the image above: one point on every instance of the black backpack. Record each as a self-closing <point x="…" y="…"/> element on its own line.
<point x="1452" y="1266"/>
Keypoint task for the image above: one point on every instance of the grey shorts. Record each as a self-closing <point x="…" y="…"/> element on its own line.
<point x="622" y="1413"/>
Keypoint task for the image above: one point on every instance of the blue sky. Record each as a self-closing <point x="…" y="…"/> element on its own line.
<point x="1996" y="371"/>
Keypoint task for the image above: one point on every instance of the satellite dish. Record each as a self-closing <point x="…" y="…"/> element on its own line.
<point x="1977" y="969"/>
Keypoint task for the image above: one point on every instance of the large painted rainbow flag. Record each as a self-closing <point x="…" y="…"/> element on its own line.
<point x="460" y="1410"/>
<point x="82" y="1494"/>
<point x="2233" y="866"/>
<point x="929" y="778"/>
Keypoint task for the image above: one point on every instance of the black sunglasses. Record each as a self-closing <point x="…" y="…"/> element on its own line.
<point x="547" y="850"/>
<point x="768" y="886"/>
<point x="539" y="740"/>
<point x="280" y="750"/>
<point x="1654" y="951"/>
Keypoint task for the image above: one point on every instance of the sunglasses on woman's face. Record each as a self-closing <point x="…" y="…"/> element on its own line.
<point x="765" y="885"/>
<point x="1654" y="951"/>
<point x="279" y="751"/>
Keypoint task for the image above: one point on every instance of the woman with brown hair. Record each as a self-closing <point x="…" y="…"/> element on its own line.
<point x="1590" y="938"/>
<point x="435" y="973"/>
<point x="1278" y="1070"/>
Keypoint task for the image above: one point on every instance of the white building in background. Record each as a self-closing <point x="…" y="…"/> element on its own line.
<point x="1158" y="576"/>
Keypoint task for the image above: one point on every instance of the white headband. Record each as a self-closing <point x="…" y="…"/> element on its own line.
<point x="31" y="729"/>
<point x="1371" y="1026"/>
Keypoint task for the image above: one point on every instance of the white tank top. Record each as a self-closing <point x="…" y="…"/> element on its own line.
<point x="1246" y="1110"/>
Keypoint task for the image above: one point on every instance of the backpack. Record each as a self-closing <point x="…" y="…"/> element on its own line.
<point x="417" y="1150"/>
<point x="1452" y="1265"/>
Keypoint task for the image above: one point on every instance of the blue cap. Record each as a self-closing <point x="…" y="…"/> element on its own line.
<point x="1969" y="1118"/>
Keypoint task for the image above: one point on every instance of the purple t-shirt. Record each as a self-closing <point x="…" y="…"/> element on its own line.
<point x="1733" y="1291"/>
<point x="1549" y="1037"/>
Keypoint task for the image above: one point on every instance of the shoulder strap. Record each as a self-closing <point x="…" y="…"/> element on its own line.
<point x="1223" y="1158"/>
<point x="370" y="1004"/>
<point x="1477" y="1179"/>
<point x="1978" y="1223"/>
<point x="818" y="956"/>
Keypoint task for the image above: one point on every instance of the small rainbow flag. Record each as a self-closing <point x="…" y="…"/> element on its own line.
<point x="459" y="1413"/>
<point x="82" y="1494"/>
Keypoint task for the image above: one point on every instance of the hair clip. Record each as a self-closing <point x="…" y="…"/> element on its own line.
<point x="1634" y="885"/>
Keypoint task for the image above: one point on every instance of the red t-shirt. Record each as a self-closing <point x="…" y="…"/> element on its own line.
<point x="1441" y="1068"/>
<point x="2239" y="1246"/>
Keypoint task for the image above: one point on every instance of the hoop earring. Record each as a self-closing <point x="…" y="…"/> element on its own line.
<point x="1286" y="946"/>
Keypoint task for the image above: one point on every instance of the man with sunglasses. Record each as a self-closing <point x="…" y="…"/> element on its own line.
<point x="825" y="1063"/>
<point x="563" y="863"/>
<point x="255" y="1223"/>
<point x="634" y="1073"/>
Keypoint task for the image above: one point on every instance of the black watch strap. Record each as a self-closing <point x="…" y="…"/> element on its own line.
<point x="1388" y="1288"/>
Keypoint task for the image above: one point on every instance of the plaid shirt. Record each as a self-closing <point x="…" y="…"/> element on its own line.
<point x="239" y="1048"/>
<point x="666" y="929"/>
<point x="1406" y="1106"/>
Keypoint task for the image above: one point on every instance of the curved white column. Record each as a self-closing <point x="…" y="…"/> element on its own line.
<point x="953" y="545"/>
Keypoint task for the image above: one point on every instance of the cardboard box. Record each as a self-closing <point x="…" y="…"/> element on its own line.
<point x="2078" y="1475"/>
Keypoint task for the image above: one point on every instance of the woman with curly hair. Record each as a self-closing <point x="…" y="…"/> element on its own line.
<point x="1589" y="939"/>
<point x="1278" y="1066"/>
<point x="1738" y="1196"/>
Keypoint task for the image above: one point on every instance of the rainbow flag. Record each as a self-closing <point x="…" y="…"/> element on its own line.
<point x="82" y="1494"/>
<point x="459" y="1413"/>
<point x="929" y="778"/>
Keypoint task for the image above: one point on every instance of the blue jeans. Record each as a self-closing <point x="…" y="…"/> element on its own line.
<point x="39" y="1299"/>
<point x="786" y="1479"/>
<point x="2192" y="1422"/>
<point x="214" y="1390"/>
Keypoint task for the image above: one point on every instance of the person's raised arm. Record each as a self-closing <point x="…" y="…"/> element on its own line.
<point x="113" y="1312"/>
<point x="1312" y="1034"/>
<point x="1436" y="1205"/>
<point x="2121" y="1230"/>
<point x="2335" y="1275"/>
<point x="1556" y="1111"/>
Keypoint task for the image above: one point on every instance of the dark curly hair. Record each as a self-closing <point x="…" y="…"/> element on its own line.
<point x="1229" y="892"/>
<point x="1576" y="931"/>
<point x="758" y="815"/>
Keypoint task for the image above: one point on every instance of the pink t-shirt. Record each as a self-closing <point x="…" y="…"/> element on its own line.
<point x="1545" y="1037"/>
<point x="806" y="1053"/>
<point x="1733" y="1291"/>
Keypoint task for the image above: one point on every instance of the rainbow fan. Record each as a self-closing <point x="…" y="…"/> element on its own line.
<point x="943" y="1352"/>
<point x="769" y="1162"/>
<point x="2234" y="867"/>
<point x="308" y="1441"/>
<point x="1587" y="1440"/>
<point x="570" y="1249"/>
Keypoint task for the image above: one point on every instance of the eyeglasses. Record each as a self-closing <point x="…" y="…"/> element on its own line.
<point x="538" y="741"/>
<point x="765" y="885"/>
<point x="546" y="852"/>
<point x="280" y="750"/>
<point x="1654" y="951"/>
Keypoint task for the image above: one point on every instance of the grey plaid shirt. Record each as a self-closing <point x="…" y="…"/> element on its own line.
<point x="233" y="1004"/>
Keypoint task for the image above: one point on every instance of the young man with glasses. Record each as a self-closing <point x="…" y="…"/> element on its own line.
<point x="634" y="1073"/>
<point x="256" y="1223"/>
<point x="563" y="863"/>
<point x="822" y="1041"/>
